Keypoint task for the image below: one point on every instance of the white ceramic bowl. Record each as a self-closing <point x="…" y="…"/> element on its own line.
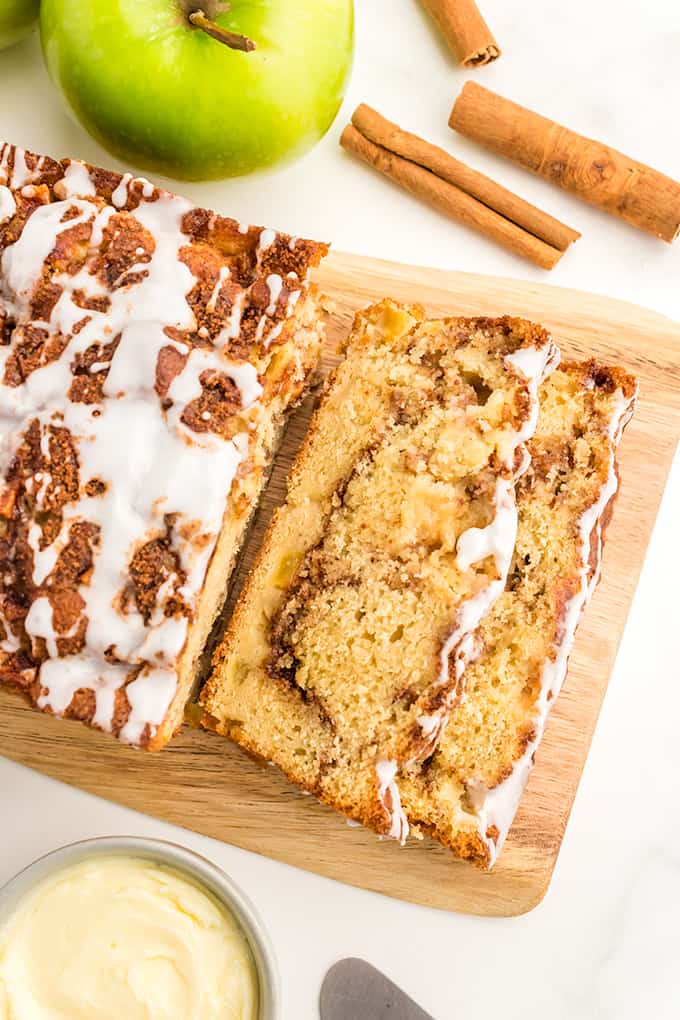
<point x="182" y="860"/>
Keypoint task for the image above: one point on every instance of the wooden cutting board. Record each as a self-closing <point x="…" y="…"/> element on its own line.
<point x="202" y="782"/>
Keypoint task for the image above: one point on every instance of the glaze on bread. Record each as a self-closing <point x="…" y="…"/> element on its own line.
<point x="150" y="351"/>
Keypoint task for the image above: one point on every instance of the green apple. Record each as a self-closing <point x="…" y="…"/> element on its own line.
<point x="201" y="90"/>
<point x="17" y="18"/>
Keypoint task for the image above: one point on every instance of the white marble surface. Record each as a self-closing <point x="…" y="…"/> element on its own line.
<point x="604" y="944"/>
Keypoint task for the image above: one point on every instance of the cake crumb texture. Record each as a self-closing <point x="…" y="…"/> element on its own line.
<point x="347" y="648"/>
<point x="466" y="794"/>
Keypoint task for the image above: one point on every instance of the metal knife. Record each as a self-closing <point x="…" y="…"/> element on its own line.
<point x="353" y="990"/>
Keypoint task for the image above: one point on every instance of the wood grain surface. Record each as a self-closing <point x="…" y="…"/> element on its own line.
<point x="204" y="783"/>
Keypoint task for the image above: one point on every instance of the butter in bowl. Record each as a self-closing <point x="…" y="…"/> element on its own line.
<point x="127" y="927"/>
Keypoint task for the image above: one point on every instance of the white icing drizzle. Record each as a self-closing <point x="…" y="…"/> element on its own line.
<point x="429" y="724"/>
<point x="20" y="174"/>
<point x="61" y="683"/>
<point x="497" y="806"/>
<point x="267" y="238"/>
<point x="524" y="464"/>
<point x="233" y="326"/>
<point x="4" y="163"/>
<point x="149" y="696"/>
<point x="531" y="362"/>
<point x="153" y="464"/>
<point x="273" y="333"/>
<point x="119" y="196"/>
<point x="221" y="277"/>
<point x="245" y="377"/>
<point x="275" y="285"/>
<point x="22" y="262"/>
<point x="38" y="623"/>
<point x="77" y="182"/>
<point x="293" y="299"/>
<point x="10" y="643"/>
<point x="534" y="365"/>
<point x="259" y="332"/>
<point x="388" y="794"/>
<point x="186" y="386"/>
<point x="497" y="539"/>
<point x="7" y="204"/>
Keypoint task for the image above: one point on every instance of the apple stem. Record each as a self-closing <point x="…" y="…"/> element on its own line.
<point x="223" y="35"/>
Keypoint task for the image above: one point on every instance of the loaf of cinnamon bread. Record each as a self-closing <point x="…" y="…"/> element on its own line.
<point x="150" y="351"/>
<point x="347" y="648"/>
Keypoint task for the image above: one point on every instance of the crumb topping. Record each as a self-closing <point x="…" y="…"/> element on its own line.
<point x="137" y="339"/>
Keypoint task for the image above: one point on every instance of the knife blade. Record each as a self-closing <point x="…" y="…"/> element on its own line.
<point x="354" y="990"/>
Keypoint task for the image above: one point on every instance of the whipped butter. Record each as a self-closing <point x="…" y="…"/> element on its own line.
<point x="123" y="937"/>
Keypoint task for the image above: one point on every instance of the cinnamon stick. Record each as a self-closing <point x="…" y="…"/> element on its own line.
<point x="596" y="173"/>
<point x="449" y="199"/>
<point x="383" y="132"/>
<point x="465" y="31"/>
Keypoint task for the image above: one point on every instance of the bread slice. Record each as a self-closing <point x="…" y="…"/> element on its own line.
<point x="347" y="646"/>
<point x="150" y="352"/>
<point x="466" y="794"/>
